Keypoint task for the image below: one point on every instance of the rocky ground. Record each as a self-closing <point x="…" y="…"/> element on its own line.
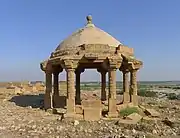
<point x="21" y="117"/>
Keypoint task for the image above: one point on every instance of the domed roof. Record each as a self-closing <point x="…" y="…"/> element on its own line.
<point x="90" y="34"/>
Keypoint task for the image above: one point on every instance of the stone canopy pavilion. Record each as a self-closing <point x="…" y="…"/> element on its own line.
<point x="91" y="48"/>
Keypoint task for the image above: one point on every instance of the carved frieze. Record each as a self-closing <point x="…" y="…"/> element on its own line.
<point x="97" y="48"/>
<point x="135" y="65"/>
<point x="91" y="55"/>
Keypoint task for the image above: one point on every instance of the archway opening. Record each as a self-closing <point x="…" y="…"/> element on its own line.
<point x="90" y="86"/>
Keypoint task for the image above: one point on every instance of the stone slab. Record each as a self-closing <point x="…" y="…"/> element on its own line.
<point x="92" y="114"/>
<point x="91" y="103"/>
<point x="129" y="122"/>
<point x="150" y="119"/>
<point x="152" y="112"/>
<point x="134" y="116"/>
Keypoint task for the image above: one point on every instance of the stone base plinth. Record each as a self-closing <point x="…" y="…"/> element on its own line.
<point x="79" y="109"/>
<point x="92" y="114"/>
<point x="112" y="114"/>
<point x="70" y="106"/>
<point x="112" y="109"/>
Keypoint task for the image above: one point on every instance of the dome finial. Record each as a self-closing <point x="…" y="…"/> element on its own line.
<point x="89" y="19"/>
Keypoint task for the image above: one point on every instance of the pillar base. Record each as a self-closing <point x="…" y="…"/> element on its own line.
<point x="70" y="106"/>
<point x="112" y="109"/>
<point x="47" y="101"/>
<point x="113" y="115"/>
<point x="126" y="97"/>
<point x="135" y="100"/>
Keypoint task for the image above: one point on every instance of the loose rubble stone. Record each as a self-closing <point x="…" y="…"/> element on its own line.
<point x="152" y="112"/>
<point x="76" y="122"/>
<point x="18" y="121"/>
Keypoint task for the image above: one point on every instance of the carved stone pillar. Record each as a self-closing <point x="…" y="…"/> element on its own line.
<point x="48" y="92"/>
<point x="112" y="111"/>
<point x="56" y="89"/>
<point x="126" y="95"/>
<point x="70" y="91"/>
<point x="134" y="96"/>
<point x="103" y="85"/>
<point x="78" y="91"/>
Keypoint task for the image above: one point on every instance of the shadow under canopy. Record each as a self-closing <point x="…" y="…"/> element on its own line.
<point x="35" y="101"/>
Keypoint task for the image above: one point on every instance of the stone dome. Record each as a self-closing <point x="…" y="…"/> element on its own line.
<point x="90" y="34"/>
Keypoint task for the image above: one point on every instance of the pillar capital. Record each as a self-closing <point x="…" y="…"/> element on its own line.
<point x="46" y="67"/>
<point x="114" y="62"/>
<point x="70" y="64"/>
<point x="134" y="66"/>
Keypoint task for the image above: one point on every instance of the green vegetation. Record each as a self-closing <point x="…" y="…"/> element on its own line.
<point x="146" y="93"/>
<point x="129" y="110"/>
<point x="170" y="87"/>
<point x="172" y="96"/>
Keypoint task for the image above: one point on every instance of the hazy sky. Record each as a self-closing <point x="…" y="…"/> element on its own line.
<point x="31" y="29"/>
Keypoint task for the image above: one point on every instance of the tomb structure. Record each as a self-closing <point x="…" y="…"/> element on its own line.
<point x="87" y="48"/>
